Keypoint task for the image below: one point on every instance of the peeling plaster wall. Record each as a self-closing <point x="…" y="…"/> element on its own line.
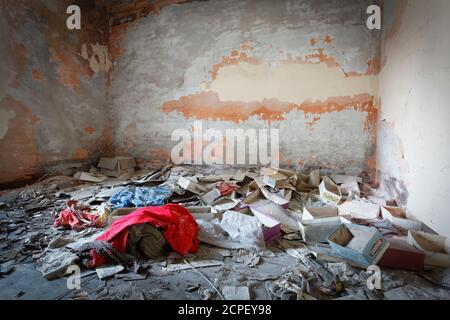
<point x="308" y="68"/>
<point x="52" y="92"/>
<point x="413" y="133"/>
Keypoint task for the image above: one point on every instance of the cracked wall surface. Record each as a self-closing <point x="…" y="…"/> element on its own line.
<point x="308" y="68"/>
<point x="413" y="132"/>
<point x="52" y="93"/>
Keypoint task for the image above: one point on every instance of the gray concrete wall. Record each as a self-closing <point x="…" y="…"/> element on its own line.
<point x="52" y="91"/>
<point x="413" y="129"/>
<point x="308" y="68"/>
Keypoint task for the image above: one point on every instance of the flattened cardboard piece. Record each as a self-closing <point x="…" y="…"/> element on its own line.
<point x="363" y="245"/>
<point x="210" y="178"/>
<point x="318" y="230"/>
<point x="115" y="167"/>
<point x="119" y="213"/>
<point x="108" y="271"/>
<point x="252" y="197"/>
<point x="244" y="228"/>
<point x="270" y="214"/>
<point x="285" y="194"/>
<point x="89" y="177"/>
<point x="402" y="255"/>
<point x="378" y="200"/>
<point x="271" y="196"/>
<point x="223" y="204"/>
<point x="329" y="191"/>
<point x="310" y="213"/>
<point x="210" y="197"/>
<point x="341" y="179"/>
<point x="314" y="178"/>
<point x="189" y="185"/>
<point x="435" y="247"/>
<point x="270" y="171"/>
<point x="201" y="212"/>
<point x="240" y="176"/>
<point x="304" y="187"/>
<point x="398" y="217"/>
<point x="195" y="263"/>
<point x="350" y="188"/>
<point x="360" y="209"/>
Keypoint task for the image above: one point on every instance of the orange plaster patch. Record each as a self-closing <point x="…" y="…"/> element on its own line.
<point x="233" y="59"/>
<point x="80" y="154"/>
<point x="207" y="106"/>
<point x="21" y="55"/>
<point x="89" y="129"/>
<point x="327" y="39"/>
<point x="37" y="75"/>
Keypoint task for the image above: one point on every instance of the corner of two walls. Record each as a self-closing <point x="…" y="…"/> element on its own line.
<point x="52" y="88"/>
<point x="307" y="68"/>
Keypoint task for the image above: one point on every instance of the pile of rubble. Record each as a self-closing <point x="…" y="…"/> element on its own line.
<point x="298" y="235"/>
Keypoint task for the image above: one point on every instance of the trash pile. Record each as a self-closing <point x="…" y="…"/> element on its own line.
<point x="319" y="237"/>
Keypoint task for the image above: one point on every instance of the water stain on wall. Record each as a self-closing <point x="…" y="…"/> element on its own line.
<point x="98" y="57"/>
<point x="19" y="150"/>
<point x="37" y="74"/>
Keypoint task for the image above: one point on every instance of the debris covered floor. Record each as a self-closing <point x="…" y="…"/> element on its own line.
<point x="252" y="227"/>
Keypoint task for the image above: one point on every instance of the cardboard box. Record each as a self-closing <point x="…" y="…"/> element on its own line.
<point x="310" y="213"/>
<point x="190" y="185"/>
<point x="89" y="177"/>
<point x="276" y="180"/>
<point x="435" y="247"/>
<point x="329" y="191"/>
<point x="270" y="226"/>
<point x="115" y="167"/>
<point x="363" y="245"/>
<point x="314" y="178"/>
<point x="210" y="196"/>
<point x="266" y="209"/>
<point x="318" y="230"/>
<point x="350" y="188"/>
<point x="401" y="255"/>
<point x="397" y="216"/>
<point x="281" y="198"/>
<point x="360" y="209"/>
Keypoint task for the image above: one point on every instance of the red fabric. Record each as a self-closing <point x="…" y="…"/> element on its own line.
<point x="180" y="229"/>
<point x="77" y="217"/>
<point x="226" y="188"/>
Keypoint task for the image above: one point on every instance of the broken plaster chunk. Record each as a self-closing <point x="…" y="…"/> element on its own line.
<point x="236" y="293"/>
<point x="108" y="271"/>
<point x="55" y="263"/>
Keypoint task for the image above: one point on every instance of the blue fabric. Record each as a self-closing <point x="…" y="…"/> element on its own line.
<point x="141" y="197"/>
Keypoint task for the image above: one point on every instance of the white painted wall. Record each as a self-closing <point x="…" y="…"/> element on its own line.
<point x="414" y="128"/>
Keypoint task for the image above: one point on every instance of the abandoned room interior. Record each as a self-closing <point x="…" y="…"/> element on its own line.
<point x="224" y="150"/>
